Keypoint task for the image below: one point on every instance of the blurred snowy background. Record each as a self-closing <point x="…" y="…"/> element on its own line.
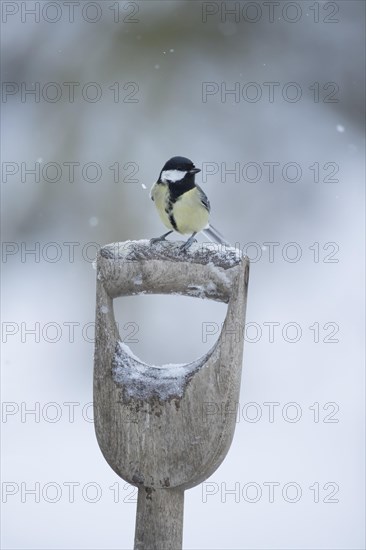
<point x="129" y="91"/>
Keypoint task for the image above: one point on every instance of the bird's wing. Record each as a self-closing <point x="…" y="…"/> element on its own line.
<point x="204" y="199"/>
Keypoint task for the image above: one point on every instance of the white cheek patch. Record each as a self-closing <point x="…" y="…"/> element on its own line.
<point x="172" y="175"/>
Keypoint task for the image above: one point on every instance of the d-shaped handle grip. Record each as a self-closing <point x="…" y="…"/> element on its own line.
<point x="150" y="421"/>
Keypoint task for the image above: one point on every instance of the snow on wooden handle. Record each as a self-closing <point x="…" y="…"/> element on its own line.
<point x="136" y="267"/>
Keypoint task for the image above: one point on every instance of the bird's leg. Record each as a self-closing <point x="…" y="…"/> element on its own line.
<point x="190" y="241"/>
<point x="158" y="239"/>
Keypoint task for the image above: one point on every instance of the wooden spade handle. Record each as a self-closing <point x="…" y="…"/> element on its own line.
<point x="150" y="421"/>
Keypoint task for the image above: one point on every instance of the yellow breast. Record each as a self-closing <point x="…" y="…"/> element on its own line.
<point x="189" y="213"/>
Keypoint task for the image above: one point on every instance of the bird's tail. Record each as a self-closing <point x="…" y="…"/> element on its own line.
<point x="215" y="236"/>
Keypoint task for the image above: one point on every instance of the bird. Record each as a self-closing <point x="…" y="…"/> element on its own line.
<point x="181" y="204"/>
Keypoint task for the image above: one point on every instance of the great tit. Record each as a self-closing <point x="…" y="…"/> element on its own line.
<point x="181" y="203"/>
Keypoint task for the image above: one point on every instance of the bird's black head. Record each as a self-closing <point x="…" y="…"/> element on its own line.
<point x="178" y="169"/>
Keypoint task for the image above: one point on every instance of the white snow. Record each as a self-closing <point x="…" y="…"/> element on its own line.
<point x="138" y="279"/>
<point x="220" y="273"/>
<point x="142" y="381"/>
<point x="216" y="254"/>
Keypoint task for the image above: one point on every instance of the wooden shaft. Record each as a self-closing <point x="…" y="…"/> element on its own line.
<point x="159" y="519"/>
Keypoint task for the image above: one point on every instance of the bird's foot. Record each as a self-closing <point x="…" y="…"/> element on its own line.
<point x="188" y="243"/>
<point x="159" y="239"/>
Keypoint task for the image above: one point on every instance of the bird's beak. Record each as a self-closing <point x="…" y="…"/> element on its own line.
<point x="195" y="170"/>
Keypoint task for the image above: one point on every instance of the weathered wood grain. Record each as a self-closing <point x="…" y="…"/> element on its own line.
<point x="166" y="429"/>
